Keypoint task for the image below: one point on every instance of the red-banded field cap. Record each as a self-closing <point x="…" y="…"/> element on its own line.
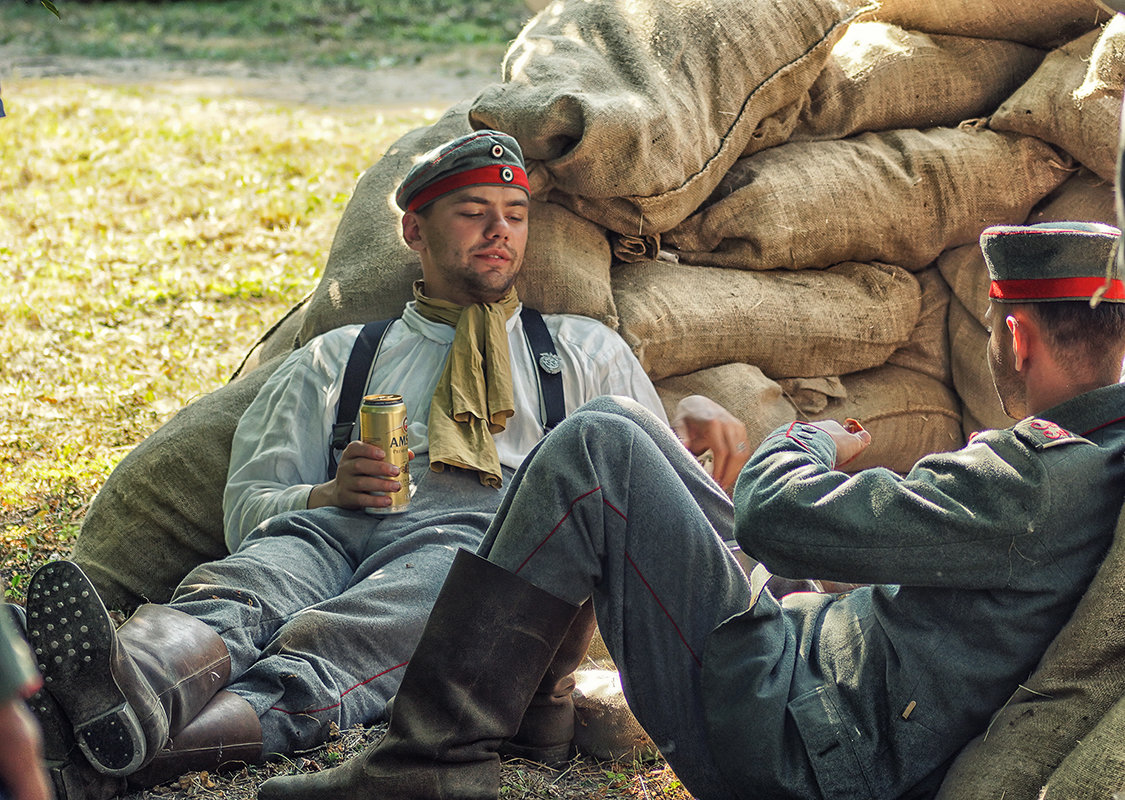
<point x="1053" y="261"/>
<point x="475" y="159"/>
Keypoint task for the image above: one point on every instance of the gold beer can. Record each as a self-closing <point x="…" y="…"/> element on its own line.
<point x="382" y="422"/>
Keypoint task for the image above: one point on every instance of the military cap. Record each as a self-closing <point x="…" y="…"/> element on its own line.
<point x="1053" y="261"/>
<point x="475" y="159"/>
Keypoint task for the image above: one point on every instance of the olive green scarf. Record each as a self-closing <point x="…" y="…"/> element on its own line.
<point x="473" y="398"/>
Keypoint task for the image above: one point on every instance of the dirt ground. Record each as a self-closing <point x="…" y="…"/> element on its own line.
<point x="431" y="80"/>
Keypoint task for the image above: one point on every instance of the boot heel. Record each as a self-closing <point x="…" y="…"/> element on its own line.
<point x="113" y="743"/>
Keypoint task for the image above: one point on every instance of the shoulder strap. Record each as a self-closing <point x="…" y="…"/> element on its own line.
<point x="550" y="366"/>
<point x="355" y="382"/>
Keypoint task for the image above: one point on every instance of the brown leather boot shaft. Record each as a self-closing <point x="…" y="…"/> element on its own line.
<point x="184" y="660"/>
<point x="226" y="732"/>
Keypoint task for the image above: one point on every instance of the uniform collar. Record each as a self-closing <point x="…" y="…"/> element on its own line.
<point x="1090" y="411"/>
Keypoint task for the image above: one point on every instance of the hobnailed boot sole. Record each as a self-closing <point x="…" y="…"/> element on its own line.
<point x="75" y="643"/>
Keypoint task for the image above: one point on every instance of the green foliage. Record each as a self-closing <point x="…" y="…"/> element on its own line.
<point x="366" y="33"/>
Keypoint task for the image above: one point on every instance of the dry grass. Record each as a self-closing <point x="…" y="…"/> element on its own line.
<point x="148" y="238"/>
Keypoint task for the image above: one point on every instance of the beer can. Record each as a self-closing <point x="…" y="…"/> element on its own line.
<point x="382" y="422"/>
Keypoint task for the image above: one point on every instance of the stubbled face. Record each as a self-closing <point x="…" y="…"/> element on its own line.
<point x="471" y="243"/>
<point x="1001" y="363"/>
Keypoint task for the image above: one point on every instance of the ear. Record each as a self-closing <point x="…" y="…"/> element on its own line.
<point x="1022" y="335"/>
<point x="412" y="231"/>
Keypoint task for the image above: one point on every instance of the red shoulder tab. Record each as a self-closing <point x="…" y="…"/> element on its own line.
<point x="1044" y="433"/>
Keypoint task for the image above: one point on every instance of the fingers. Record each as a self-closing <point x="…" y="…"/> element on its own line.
<point x="702" y="424"/>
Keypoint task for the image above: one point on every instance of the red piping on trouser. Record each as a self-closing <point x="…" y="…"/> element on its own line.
<point x="629" y="558"/>
<point x="337" y="705"/>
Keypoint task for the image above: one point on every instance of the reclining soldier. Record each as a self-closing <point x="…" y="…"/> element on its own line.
<point x="311" y="620"/>
<point x="975" y="560"/>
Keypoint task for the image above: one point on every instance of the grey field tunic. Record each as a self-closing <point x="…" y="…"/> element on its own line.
<point x="979" y="557"/>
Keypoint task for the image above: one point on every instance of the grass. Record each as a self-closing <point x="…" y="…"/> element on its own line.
<point x="365" y="33"/>
<point x="148" y="240"/>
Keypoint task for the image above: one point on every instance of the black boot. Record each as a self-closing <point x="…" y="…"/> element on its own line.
<point x="546" y="734"/>
<point x="225" y="732"/>
<point x="124" y="691"/>
<point x="483" y="653"/>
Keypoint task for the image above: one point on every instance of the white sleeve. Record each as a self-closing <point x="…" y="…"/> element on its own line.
<point x="280" y="447"/>
<point x="608" y="365"/>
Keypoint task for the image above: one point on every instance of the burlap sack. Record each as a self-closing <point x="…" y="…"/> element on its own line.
<point x="881" y="77"/>
<point x="280" y="339"/>
<point x="811" y="396"/>
<point x="928" y="349"/>
<point x="1106" y="73"/>
<point x="1046" y="107"/>
<point x="968" y="352"/>
<point x="908" y="414"/>
<point x="636" y="110"/>
<point x="160" y="512"/>
<point x="1079" y="679"/>
<point x="1096" y="765"/>
<point x="680" y="319"/>
<point x="897" y="196"/>
<point x="604" y="725"/>
<point x="370" y="269"/>
<point x="963" y="268"/>
<point x="1033" y="22"/>
<point x="741" y="389"/>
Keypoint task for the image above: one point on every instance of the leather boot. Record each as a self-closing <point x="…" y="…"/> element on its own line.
<point x="71" y="776"/>
<point x="484" y="651"/>
<point x="124" y="691"/>
<point x="546" y="733"/>
<point x="226" y="731"/>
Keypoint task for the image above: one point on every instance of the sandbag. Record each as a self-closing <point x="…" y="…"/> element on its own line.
<point x="1096" y="765"/>
<point x="928" y="349"/>
<point x="1106" y="72"/>
<point x="908" y="414"/>
<point x="963" y="268"/>
<point x="897" y="196"/>
<point x="680" y="318"/>
<point x="741" y="389"/>
<point x="1078" y="680"/>
<point x="1033" y="22"/>
<point x="972" y="379"/>
<point x="280" y="339"/>
<point x="370" y="269"/>
<point x="160" y="512"/>
<point x="881" y="77"/>
<point x="633" y="112"/>
<point x="1046" y="107"/>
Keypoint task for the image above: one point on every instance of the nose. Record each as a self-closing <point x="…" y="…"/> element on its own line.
<point x="498" y="227"/>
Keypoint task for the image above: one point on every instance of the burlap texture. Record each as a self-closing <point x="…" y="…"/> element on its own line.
<point x="908" y="414"/>
<point x="963" y="268"/>
<point x="370" y="269"/>
<point x="1033" y="22"/>
<point x="928" y="349"/>
<point x="812" y="395"/>
<point x="1106" y="72"/>
<point x="741" y="389"/>
<point x="1078" y="680"/>
<point x="897" y="196"/>
<point x="968" y="349"/>
<point x="881" y="77"/>
<point x="160" y="512"/>
<point x="1046" y="107"/>
<point x="637" y="110"/>
<point x="680" y="319"/>
<point x="1096" y="765"/>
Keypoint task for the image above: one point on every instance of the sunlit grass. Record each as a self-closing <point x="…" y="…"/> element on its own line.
<point x="148" y="239"/>
<point x="368" y="33"/>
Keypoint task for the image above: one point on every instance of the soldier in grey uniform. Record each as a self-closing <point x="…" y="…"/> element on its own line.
<point x="22" y="773"/>
<point x="974" y="561"/>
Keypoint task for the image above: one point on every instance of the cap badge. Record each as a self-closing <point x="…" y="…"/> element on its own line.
<point x="507" y="175"/>
<point x="497" y="151"/>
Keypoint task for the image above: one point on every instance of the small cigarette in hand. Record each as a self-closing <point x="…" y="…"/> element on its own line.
<point x="852" y="425"/>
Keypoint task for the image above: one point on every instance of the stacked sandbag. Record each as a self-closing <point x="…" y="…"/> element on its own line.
<point x="631" y="113"/>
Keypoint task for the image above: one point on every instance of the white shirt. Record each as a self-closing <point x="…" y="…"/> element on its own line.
<point x="280" y="448"/>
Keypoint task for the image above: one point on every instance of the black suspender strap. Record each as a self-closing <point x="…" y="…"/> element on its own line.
<point x="366" y="347"/>
<point x="550" y="366"/>
<point x="355" y="385"/>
